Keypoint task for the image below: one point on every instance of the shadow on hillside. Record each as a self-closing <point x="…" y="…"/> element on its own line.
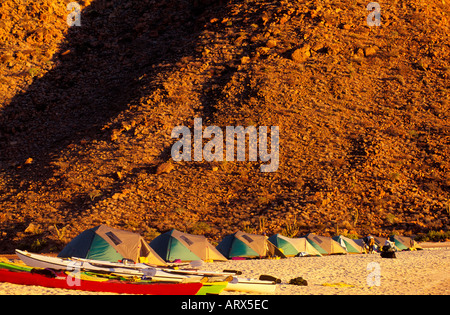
<point x="96" y="76"/>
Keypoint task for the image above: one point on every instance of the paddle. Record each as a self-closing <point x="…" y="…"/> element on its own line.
<point x="236" y="272"/>
<point x="269" y="278"/>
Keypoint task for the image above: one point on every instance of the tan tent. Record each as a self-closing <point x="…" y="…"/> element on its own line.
<point x="325" y="245"/>
<point x="241" y="244"/>
<point x="293" y="246"/>
<point x="350" y="245"/>
<point x="109" y="244"/>
<point x="361" y="243"/>
<point x="379" y="242"/>
<point x="175" y="245"/>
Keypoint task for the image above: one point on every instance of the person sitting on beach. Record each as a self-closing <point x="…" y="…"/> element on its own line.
<point x="388" y="250"/>
<point x="371" y="244"/>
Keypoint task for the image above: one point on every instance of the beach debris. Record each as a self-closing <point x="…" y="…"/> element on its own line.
<point x="388" y="250"/>
<point x="270" y="278"/>
<point x="298" y="281"/>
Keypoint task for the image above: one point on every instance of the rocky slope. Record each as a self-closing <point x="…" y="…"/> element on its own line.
<point x="86" y="116"/>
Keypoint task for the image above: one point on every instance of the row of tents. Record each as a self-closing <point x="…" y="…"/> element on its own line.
<point x="110" y="244"/>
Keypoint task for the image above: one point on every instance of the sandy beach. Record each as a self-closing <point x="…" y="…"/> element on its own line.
<point x="417" y="273"/>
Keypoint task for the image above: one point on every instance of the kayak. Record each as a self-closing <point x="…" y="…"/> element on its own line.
<point x="208" y="288"/>
<point x="117" y="269"/>
<point x="212" y="288"/>
<point x="55" y="263"/>
<point x="107" y="268"/>
<point x="145" y="273"/>
<point x="143" y="267"/>
<point x="251" y="285"/>
<point x="14" y="267"/>
<point x="63" y="281"/>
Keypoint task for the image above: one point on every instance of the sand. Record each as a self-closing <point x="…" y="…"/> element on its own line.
<point x="418" y="273"/>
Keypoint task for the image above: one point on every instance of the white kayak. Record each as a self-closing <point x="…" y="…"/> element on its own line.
<point x="145" y="271"/>
<point x="42" y="261"/>
<point x="97" y="266"/>
<point x="142" y="266"/>
<point x="251" y="285"/>
<point x="120" y="269"/>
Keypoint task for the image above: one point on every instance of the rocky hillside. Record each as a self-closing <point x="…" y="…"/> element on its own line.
<point x="86" y="115"/>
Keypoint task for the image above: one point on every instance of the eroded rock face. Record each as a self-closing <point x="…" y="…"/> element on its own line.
<point x="86" y="115"/>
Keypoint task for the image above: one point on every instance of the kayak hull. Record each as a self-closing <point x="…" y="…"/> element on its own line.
<point x="14" y="267"/>
<point x="145" y="272"/>
<point x="69" y="283"/>
<point x="132" y="270"/>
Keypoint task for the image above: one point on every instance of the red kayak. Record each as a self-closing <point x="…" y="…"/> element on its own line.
<point x="114" y="286"/>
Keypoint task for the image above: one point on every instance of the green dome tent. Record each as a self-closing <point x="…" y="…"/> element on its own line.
<point x="175" y="245"/>
<point x="404" y="242"/>
<point x="351" y="246"/>
<point x="325" y="245"/>
<point x="293" y="246"/>
<point x="241" y="244"/>
<point x="110" y="244"/>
